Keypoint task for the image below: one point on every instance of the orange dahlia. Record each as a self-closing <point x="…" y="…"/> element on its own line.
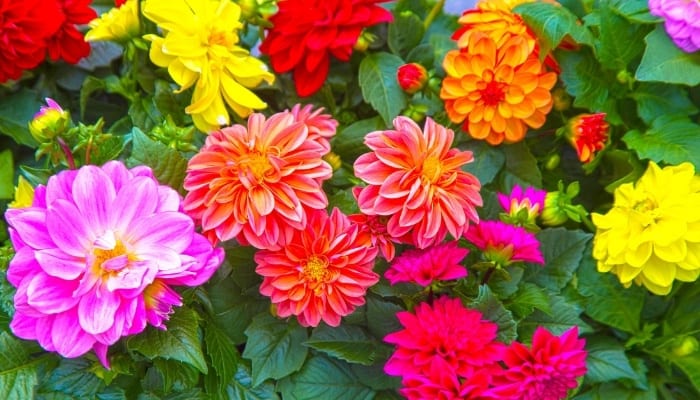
<point x="499" y="24"/>
<point x="322" y="273"/>
<point x="256" y="184"/>
<point x="415" y="179"/>
<point x="496" y="91"/>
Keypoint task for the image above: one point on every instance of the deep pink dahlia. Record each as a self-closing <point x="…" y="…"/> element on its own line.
<point x="445" y="337"/>
<point x="548" y="369"/>
<point x="440" y="262"/>
<point x="530" y="199"/>
<point x="504" y="244"/>
<point x="681" y="20"/>
<point x="96" y="254"/>
<point x="444" y="386"/>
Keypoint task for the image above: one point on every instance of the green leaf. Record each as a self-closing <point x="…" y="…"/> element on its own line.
<point x="551" y="23"/>
<point x="275" y="347"/>
<point x="606" y="300"/>
<point x="377" y="77"/>
<point x="168" y="164"/>
<point x="405" y="33"/>
<point x="656" y="99"/>
<point x="324" y="378"/>
<point x="607" y="391"/>
<point x="102" y="53"/>
<point x="563" y="316"/>
<point x="381" y="316"/>
<point x="619" y="40"/>
<point x="528" y="298"/>
<point x="176" y="376"/>
<point x="521" y="166"/>
<point x="608" y="362"/>
<point x="349" y="143"/>
<point x="584" y="79"/>
<point x="494" y="311"/>
<point x="634" y="10"/>
<point x="7" y="175"/>
<point x="18" y="373"/>
<point x="672" y="139"/>
<point x="562" y="250"/>
<point x="348" y="343"/>
<point x="222" y="353"/>
<point x="664" y="62"/>
<point x="690" y="365"/>
<point x="167" y="102"/>
<point x="488" y="160"/>
<point x="233" y="310"/>
<point x="179" y="342"/>
<point x="422" y="54"/>
<point x="90" y="85"/>
<point x="15" y="113"/>
<point x="74" y="378"/>
<point x="241" y="387"/>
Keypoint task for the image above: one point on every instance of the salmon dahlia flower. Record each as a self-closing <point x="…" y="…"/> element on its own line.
<point x="322" y="273"/>
<point x="651" y="236"/>
<point x="257" y="183"/>
<point x="496" y="90"/>
<point x="96" y="255"/>
<point x="415" y="179"/>
<point x="200" y="48"/>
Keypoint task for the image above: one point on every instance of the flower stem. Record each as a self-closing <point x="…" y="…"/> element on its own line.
<point x="588" y="223"/>
<point x="487" y="276"/>
<point x="67" y="153"/>
<point x="433" y="13"/>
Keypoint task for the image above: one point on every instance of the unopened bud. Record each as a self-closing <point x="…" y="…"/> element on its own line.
<point x="412" y="77"/>
<point x="49" y="122"/>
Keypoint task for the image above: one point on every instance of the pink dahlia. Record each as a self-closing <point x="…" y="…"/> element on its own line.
<point x="321" y="126"/>
<point x="96" y="254"/>
<point x="531" y="200"/>
<point x="681" y="20"/>
<point x="548" y="369"/>
<point x="416" y="180"/>
<point x="423" y="266"/>
<point x="257" y="183"/>
<point x="445" y="337"/>
<point x="323" y="271"/>
<point x="504" y="243"/>
<point x="445" y="386"/>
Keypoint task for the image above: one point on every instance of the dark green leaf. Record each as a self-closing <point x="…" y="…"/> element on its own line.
<point x="102" y="53"/>
<point x="551" y="23"/>
<point x="222" y="353"/>
<point x="275" y="347"/>
<point x="167" y="103"/>
<point x="619" y="40"/>
<point x="422" y="54"/>
<point x="176" y="376"/>
<point x="634" y="10"/>
<point x="608" y="362"/>
<point x="528" y="298"/>
<point x="74" y="378"/>
<point x="562" y="250"/>
<point x="324" y="378"/>
<point x="381" y="316"/>
<point x="564" y="315"/>
<point x="90" y="85"/>
<point x="656" y="99"/>
<point x="607" y="391"/>
<point x="494" y="311"/>
<point x="18" y="373"/>
<point x="233" y="310"/>
<point x="15" y="113"/>
<point x="690" y="365"/>
<point x="673" y="140"/>
<point x="405" y="33"/>
<point x="377" y="77"/>
<point x="349" y="143"/>
<point x="664" y="62"/>
<point x="488" y="160"/>
<point x="521" y="166"/>
<point x="348" y="343"/>
<point x="375" y="377"/>
<point x="7" y="175"/>
<point x="168" y="164"/>
<point x="505" y="286"/>
<point x="179" y="342"/>
<point x="241" y="387"/>
<point x="584" y="80"/>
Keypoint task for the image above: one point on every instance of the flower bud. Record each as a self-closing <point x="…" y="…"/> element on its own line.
<point x="412" y="77"/>
<point x="553" y="213"/>
<point x="686" y="346"/>
<point x="560" y="99"/>
<point x="588" y="134"/>
<point x="49" y="122"/>
<point x="334" y="160"/>
<point x="364" y="41"/>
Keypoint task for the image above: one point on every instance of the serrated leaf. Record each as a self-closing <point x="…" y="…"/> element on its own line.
<point x="405" y="33"/>
<point x="607" y="391"/>
<point x="15" y="113"/>
<point x="347" y="343"/>
<point x="18" y="373"/>
<point x="222" y="353"/>
<point x="488" y="160"/>
<point x="608" y="362"/>
<point x="233" y="310"/>
<point x="520" y="166"/>
<point x="528" y="298"/>
<point x="564" y="315"/>
<point x="584" y="79"/>
<point x="377" y="77"/>
<point x="7" y="188"/>
<point x="168" y="164"/>
<point x="619" y="41"/>
<point x="381" y="316"/>
<point x="349" y="143"/>
<point x="494" y="311"/>
<point x="275" y="347"/>
<point x="656" y="99"/>
<point x="179" y="342"/>
<point x="562" y="250"/>
<point x="634" y="10"/>
<point x="672" y="139"/>
<point x="73" y="378"/>
<point x="176" y="376"/>
<point x="325" y="378"/>
<point x="664" y="62"/>
<point x="375" y="377"/>
<point x="241" y="387"/>
<point x="551" y="23"/>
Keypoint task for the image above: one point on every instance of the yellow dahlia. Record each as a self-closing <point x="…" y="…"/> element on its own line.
<point x="119" y="24"/>
<point x="506" y="5"/>
<point x="199" y="48"/>
<point x="652" y="234"/>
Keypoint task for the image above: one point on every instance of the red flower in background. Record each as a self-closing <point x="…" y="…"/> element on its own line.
<point x="119" y="3"/>
<point x="588" y="133"/>
<point x="67" y="43"/>
<point x="24" y="28"/>
<point x="306" y="33"/>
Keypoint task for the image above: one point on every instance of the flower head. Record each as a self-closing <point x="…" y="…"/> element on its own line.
<point x="119" y="24"/>
<point x="652" y="233"/>
<point x="412" y="77"/>
<point x="257" y="183"/>
<point x="680" y="20"/>
<point x="88" y="251"/>
<point x="504" y="243"/>
<point x="496" y="90"/>
<point x="530" y="201"/>
<point x="548" y="369"/>
<point x="415" y="179"/>
<point x="24" y="194"/>
<point x="322" y="273"/>
<point x="446" y="386"/>
<point x="49" y="122"/>
<point x="443" y="338"/>
<point x="67" y="43"/>
<point x="305" y="34"/>
<point x="506" y="5"/>
<point x="199" y="48"/>
<point x="588" y="133"/>
<point x="439" y="262"/>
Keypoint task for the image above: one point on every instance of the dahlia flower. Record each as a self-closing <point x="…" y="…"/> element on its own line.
<point x="96" y="254"/>
<point x="321" y="127"/>
<point x="257" y="183"/>
<point x="322" y="273"/>
<point x="588" y="133"/>
<point x="444" y="386"/>
<point x="415" y="179"/>
<point x="530" y="201"/>
<point x="439" y="262"/>
<point x="199" y="48"/>
<point x="652" y="233"/>
<point x="681" y="20"/>
<point x="496" y="90"/>
<point x="119" y="24"/>
<point x="443" y="338"/>
<point x="412" y="77"/>
<point x="548" y="369"/>
<point x="498" y="23"/>
<point x="504" y="244"/>
<point x="25" y="27"/>
<point x="67" y="43"/>
<point x="506" y="5"/>
<point x="305" y="34"/>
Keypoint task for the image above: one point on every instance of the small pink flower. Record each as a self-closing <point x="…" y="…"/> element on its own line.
<point x="548" y="369"/>
<point x="440" y="262"/>
<point x="504" y="244"/>
<point x="531" y="200"/>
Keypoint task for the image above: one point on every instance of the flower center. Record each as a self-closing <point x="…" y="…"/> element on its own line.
<point x="221" y="38"/>
<point x="102" y="256"/>
<point x="432" y="169"/>
<point x="493" y="93"/>
<point x="644" y="206"/>
<point x="258" y="166"/>
<point x="316" y="268"/>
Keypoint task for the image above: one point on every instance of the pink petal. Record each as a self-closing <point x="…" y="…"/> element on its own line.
<point x="30" y="225"/>
<point x="68" y="230"/>
<point x="93" y="193"/>
<point x="59" y="264"/>
<point x="171" y="229"/>
<point x="137" y="199"/>
<point x="96" y="311"/>
<point x="51" y="295"/>
<point x="68" y="339"/>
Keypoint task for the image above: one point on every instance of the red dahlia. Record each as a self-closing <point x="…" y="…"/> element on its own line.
<point x="67" y="43"/>
<point x="306" y="32"/>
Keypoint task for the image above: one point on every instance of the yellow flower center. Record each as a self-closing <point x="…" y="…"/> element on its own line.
<point x="222" y="38"/>
<point x="432" y="169"/>
<point x="102" y="256"/>
<point x="316" y="269"/>
<point x="258" y="166"/>
<point x="493" y="93"/>
<point x="644" y="206"/>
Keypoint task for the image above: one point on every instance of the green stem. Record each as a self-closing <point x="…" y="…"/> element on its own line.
<point x="433" y="13"/>
<point x="487" y="276"/>
<point x="588" y="223"/>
